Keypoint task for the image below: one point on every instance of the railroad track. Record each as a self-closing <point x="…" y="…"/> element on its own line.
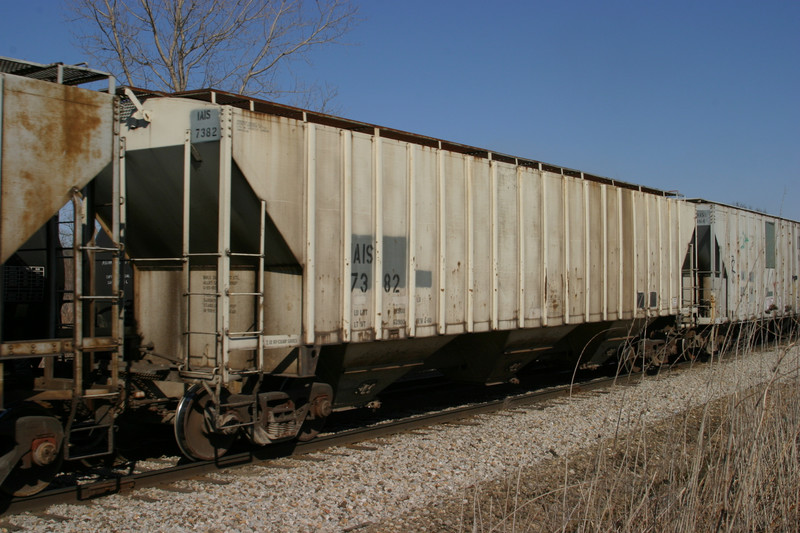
<point x="124" y="483"/>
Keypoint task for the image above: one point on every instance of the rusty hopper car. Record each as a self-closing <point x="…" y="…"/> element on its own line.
<point x="57" y="331"/>
<point x="285" y="263"/>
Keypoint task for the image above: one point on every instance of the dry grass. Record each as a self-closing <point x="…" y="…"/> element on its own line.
<point x="730" y="465"/>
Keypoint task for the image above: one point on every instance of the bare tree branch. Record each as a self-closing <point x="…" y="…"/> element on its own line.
<point x="233" y="45"/>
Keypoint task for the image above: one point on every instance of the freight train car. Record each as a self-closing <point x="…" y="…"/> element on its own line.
<point x="338" y="256"/>
<point x="741" y="269"/>
<point x="61" y="338"/>
<point x="241" y="268"/>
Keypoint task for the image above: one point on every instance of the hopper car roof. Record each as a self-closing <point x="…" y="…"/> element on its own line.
<point x="272" y="108"/>
<point x="53" y="72"/>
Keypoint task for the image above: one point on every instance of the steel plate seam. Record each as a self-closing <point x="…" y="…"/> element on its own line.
<point x="672" y="208"/>
<point x="185" y="274"/>
<point x="311" y="192"/>
<point x="117" y="324"/>
<point x="635" y="276"/>
<point x="544" y="243"/>
<point x="440" y="176"/>
<point x="224" y="261"/>
<point x="346" y="137"/>
<point x="649" y="253"/>
<point x="621" y="260"/>
<point x="377" y="216"/>
<point x="468" y="160"/>
<point x="520" y="247"/>
<point x="411" y="312"/>
<point x="587" y="271"/>
<point x="604" y="215"/>
<point x="565" y="310"/>
<point x="494" y="236"/>
<point x="678" y="262"/>
<point x="2" y="296"/>
<point x="660" y="251"/>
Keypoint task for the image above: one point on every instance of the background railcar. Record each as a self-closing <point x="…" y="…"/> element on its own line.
<point x="741" y="269"/>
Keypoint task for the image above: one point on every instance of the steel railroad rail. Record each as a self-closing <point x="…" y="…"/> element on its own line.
<point x="125" y="483"/>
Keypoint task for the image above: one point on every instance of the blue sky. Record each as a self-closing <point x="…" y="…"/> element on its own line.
<point x="698" y="97"/>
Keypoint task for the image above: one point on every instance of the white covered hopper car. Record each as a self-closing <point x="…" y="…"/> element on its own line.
<point x="254" y="266"/>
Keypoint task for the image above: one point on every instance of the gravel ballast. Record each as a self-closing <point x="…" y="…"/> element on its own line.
<point x="352" y="488"/>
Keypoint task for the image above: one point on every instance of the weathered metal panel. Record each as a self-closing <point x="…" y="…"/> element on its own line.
<point x="508" y="260"/>
<point x="393" y="274"/>
<point x="576" y="249"/>
<point x="786" y="260"/>
<point x="754" y="289"/>
<point x="482" y="244"/>
<point x="55" y="137"/>
<point x="283" y="297"/>
<point x="737" y="308"/>
<point x="755" y="271"/>
<point x="613" y="285"/>
<point x="629" y="253"/>
<point x="456" y="238"/>
<point x="532" y="234"/>
<point x="791" y="267"/>
<point x="270" y="152"/>
<point x="743" y="290"/>
<point x="203" y="314"/>
<point x="793" y="249"/>
<point x="642" y="249"/>
<point x="426" y="242"/>
<point x="158" y="311"/>
<point x="362" y="279"/>
<point x="329" y="237"/>
<point x="554" y="237"/>
<point x="723" y="226"/>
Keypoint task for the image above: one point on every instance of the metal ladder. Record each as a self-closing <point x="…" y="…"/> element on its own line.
<point x="225" y="340"/>
<point x="85" y="340"/>
<point x="690" y="293"/>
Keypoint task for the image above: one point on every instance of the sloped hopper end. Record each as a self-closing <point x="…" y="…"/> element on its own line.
<point x="55" y="137"/>
<point x="154" y="188"/>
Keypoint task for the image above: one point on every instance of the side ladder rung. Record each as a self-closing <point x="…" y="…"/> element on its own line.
<point x="100" y="298"/>
<point x="242" y="254"/>
<point x="243" y="343"/>
<point x="99" y="249"/>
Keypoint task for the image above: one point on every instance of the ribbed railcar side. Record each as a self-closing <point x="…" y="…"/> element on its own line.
<point x="437" y="242"/>
<point x="378" y="236"/>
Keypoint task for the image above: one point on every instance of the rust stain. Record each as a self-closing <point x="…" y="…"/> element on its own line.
<point x="55" y="132"/>
<point x="79" y="125"/>
<point x="30" y="199"/>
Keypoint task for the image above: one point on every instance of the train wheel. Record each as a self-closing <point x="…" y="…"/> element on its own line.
<point x="42" y="436"/>
<point x="194" y="428"/>
<point x="319" y="410"/>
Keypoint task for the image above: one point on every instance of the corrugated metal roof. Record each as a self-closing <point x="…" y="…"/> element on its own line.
<point x="54" y="72"/>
